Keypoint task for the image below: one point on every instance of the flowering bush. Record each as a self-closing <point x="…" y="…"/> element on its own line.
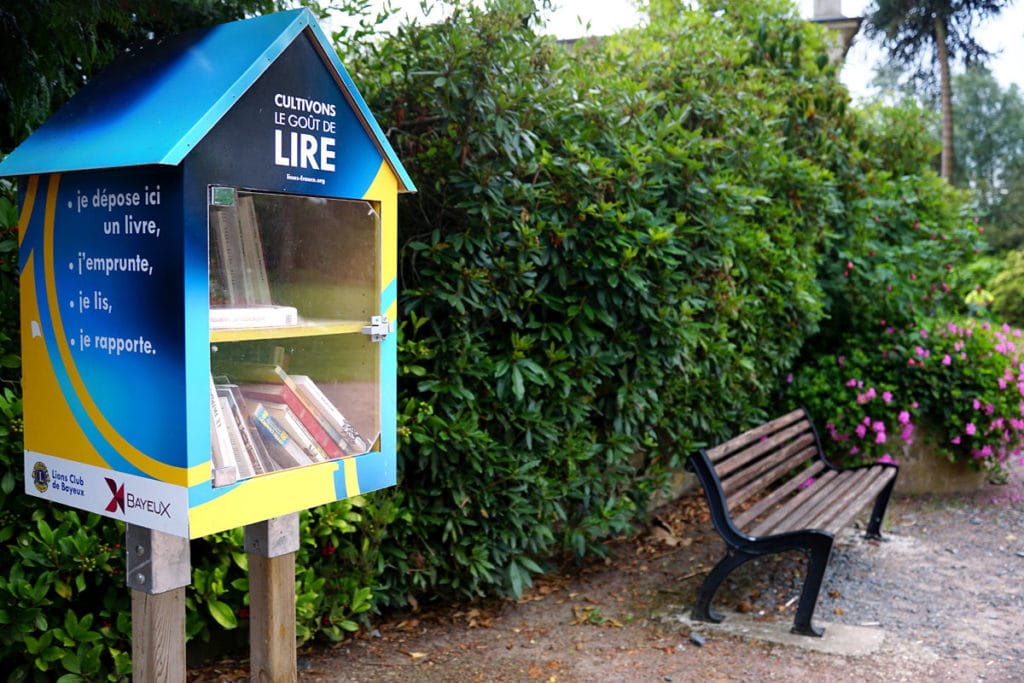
<point x="958" y="384"/>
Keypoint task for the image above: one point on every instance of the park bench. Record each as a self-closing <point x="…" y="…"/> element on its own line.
<point x="770" y="490"/>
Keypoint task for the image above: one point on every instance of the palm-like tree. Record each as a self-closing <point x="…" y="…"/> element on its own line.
<point x="923" y="35"/>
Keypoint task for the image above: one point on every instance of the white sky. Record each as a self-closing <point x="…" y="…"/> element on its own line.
<point x="1005" y="34"/>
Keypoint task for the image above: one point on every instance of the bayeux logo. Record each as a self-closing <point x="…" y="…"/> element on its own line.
<point x="121" y="500"/>
<point x="117" y="501"/>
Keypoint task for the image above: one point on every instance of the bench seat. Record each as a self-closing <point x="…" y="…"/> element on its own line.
<point x="771" y="489"/>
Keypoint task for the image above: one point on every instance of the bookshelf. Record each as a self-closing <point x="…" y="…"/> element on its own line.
<point x="254" y="230"/>
<point x="284" y="270"/>
<point x="306" y="328"/>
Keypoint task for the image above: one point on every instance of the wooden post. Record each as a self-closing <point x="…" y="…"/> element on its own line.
<point x="271" y="547"/>
<point x="159" y="568"/>
<point x="158" y="636"/>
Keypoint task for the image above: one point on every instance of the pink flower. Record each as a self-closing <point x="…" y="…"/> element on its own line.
<point x="861" y="431"/>
<point x="946" y="360"/>
<point x="880" y="437"/>
<point x="854" y="451"/>
<point x="887" y="396"/>
<point x="908" y="434"/>
<point x="851" y="382"/>
<point x="970" y="429"/>
<point x="878" y="426"/>
<point x="904" y="417"/>
<point x="886" y="459"/>
<point x="807" y="482"/>
<point x="924" y="333"/>
<point x="977" y="404"/>
<point x="955" y="440"/>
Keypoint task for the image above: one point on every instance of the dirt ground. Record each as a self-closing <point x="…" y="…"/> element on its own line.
<point x="939" y="600"/>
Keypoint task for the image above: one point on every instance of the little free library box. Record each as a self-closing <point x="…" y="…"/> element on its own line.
<point x="208" y="284"/>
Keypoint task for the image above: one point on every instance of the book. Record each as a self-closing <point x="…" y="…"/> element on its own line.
<point x="281" y="393"/>
<point x="349" y="439"/>
<point x="243" y="466"/>
<point x="239" y="286"/>
<point x="327" y="414"/>
<point x="256" y="460"/>
<point x="257" y="286"/>
<point x="283" y="449"/>
<point x="226" y="239"/>
<point x="234" y="317"/>
<point x="224" y="469"/>
<point x="296" y="430"/>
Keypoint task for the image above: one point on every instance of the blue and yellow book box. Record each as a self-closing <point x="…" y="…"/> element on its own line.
<point x="208" y="284"/>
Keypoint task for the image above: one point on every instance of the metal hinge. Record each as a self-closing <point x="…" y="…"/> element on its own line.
<point x="379" y="328"/>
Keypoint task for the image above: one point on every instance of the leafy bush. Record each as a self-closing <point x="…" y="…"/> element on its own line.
<point x="1008" y="290"/>
<point x="957" y="384"/>
<point x="604" y="240"/>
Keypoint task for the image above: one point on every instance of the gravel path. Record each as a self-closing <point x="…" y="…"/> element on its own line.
<point x="942" y="593"/>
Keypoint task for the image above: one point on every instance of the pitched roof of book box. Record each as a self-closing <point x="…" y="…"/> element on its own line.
<point x="153" y="106"/>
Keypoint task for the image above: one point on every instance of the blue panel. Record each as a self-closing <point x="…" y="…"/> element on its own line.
<point x="108" y="273"/>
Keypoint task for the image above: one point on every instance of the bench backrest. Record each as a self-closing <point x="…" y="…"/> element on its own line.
<point x="768" y="463"/>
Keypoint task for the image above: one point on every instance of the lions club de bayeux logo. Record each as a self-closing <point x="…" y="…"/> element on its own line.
<point x="41" y="477"/>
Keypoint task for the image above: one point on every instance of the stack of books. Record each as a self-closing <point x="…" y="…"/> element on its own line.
<point x="261" y="428"/>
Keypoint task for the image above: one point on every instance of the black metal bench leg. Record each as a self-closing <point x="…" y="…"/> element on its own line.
<point x="878" y="512"/>
<point x="702" y="610"/>
<point x="818" y="553"/>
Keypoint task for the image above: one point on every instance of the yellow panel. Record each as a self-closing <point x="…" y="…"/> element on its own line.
<point x="50" y="426"/>
<point x="266" y="497"/>
<point x="384" y="189"/>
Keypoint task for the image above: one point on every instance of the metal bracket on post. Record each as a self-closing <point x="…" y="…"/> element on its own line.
<point x="379" y="328"/>
<point x="273" y="537"/>
<point x="157" y="562"/>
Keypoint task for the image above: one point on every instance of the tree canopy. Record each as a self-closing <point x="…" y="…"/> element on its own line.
<point x="926" y="36"/>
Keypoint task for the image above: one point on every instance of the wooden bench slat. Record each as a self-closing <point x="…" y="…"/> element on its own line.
<point x="823" y="501"/>
<point x="735" y="478"/>
<point x="741" y="458"/>
<point x="792" y="506"/>
<point x="790" y="514"/>
<point x="844" y="515"/>
<point x="757" y="509"/>
<point x="722" y="450"/>
<point x="760" y="479"/>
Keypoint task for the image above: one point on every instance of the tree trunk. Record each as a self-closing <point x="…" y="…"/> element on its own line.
<point x="946" y="97"/>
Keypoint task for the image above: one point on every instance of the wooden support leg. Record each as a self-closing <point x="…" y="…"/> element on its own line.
<point x="271" y="547"/>
<point x="158" y="569"/>
<point x="158" y="636"/>
<point x="272" y="619"/>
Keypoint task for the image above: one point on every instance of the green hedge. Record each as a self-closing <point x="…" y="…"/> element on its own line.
<point x="618" y="252"/>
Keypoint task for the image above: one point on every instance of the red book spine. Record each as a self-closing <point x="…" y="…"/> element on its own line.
<point x="282" y="394"/>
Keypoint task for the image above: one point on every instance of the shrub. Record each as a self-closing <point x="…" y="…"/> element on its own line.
<point x="957" y="384"/>
<point x="611" y="259"/>
<point x="1008" y="290"/>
